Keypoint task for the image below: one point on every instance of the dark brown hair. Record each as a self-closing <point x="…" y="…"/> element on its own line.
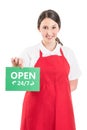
<point x="52" y="15"/>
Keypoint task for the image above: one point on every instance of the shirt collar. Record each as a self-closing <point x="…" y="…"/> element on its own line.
<point x="47" y="52"/>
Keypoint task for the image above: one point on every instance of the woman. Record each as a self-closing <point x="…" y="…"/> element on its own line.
<point x="51" y="108"/>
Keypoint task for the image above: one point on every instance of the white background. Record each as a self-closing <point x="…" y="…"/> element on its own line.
<point x="18" y="29"/>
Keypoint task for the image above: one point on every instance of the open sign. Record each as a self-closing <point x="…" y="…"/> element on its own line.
<point x="26" y="75"/>
<point x="22" y="79"/>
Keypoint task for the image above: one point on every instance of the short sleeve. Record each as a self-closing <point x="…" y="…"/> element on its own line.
<point x="75" y="71"/>
<point x="30" y="56"/>
<point x="26" y="58"/>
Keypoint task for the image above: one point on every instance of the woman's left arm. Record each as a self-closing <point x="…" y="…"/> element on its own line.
<point x="73" y="84"/>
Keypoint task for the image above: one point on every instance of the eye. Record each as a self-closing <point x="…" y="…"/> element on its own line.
<point x="53" y="27"/>
<point x="45" y="27"/>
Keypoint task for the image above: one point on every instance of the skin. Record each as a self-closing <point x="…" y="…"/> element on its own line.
<point x="49" y="30"/>
<point x="17" y="62"/>
<point x="73" y="84"/>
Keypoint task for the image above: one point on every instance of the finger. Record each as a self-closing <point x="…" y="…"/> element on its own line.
<point x="20" y="63"/>
<point x="14" y="61"/>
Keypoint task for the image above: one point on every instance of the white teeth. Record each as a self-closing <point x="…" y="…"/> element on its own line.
<point x="49" y="37"/>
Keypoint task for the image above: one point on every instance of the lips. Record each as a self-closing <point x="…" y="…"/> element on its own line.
<point x="49" y="37"/>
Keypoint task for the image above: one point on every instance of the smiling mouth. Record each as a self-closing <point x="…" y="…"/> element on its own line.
<point x="49" y="38"/>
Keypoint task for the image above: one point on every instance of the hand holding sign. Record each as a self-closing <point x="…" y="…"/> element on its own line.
<point x="17" y="62"/>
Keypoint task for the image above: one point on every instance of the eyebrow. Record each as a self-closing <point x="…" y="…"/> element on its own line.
<point x="52" y="25"/>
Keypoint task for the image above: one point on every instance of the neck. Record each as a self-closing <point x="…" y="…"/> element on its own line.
<point x="50" y="46"/>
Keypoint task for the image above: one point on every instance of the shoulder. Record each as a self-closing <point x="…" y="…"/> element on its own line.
<point x="32" y="48"/>
<point x="30" y="55"/>
<point x="69" y="55"/>
<point x="68" y="52"/>
<point x="30" y="52"/>
<point x="75" y="71"/>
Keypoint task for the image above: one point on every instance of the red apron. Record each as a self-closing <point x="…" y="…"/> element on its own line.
<point x="51" y="108"/>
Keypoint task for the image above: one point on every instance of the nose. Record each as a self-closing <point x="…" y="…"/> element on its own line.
<point x="49" y="31"/>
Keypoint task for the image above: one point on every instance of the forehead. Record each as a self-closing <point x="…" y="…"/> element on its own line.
<point x="48" y="22"/>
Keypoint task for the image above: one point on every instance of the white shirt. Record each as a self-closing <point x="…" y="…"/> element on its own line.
<point x="31" y="54"/>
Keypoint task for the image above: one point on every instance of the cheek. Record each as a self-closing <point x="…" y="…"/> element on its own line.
<point x="56" y="32"/>
<point x="43" y="33"/>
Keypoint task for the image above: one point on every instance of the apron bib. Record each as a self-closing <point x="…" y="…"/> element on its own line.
<point x="51" y="108"/>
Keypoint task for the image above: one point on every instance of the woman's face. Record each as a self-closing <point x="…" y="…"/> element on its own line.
<point x="49" y="30"/>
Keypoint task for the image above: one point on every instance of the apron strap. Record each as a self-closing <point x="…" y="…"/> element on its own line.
<point x="40" y="53"/>
<point x="61" y="51"/>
